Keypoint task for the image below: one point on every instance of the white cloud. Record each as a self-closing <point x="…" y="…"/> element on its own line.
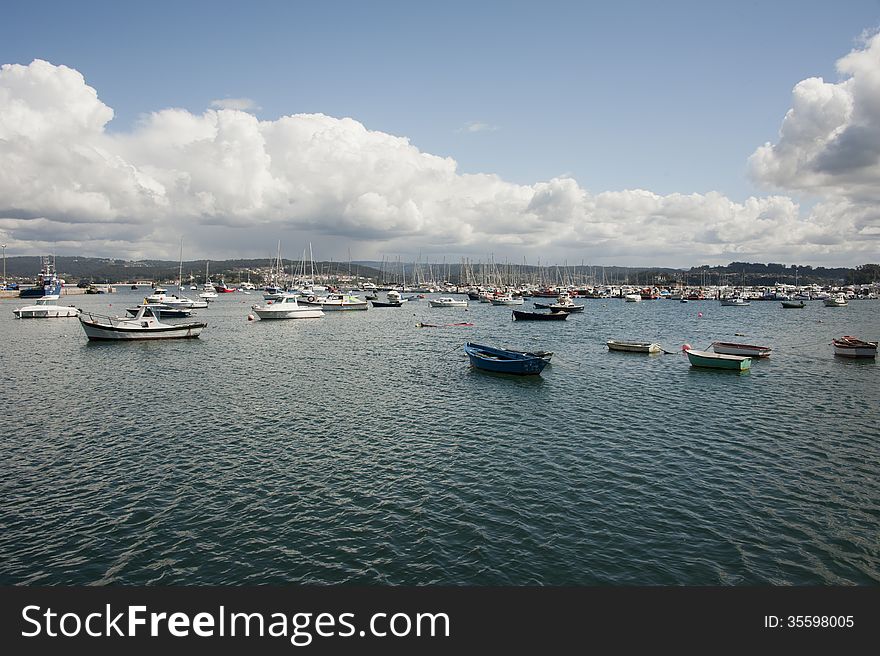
<point x="829" y="143"/>
<point x="231" y="184"/>
<point x="478" y="126"/>
<point x="240" y="104"/>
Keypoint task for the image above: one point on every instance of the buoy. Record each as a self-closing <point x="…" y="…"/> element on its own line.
<point x="699" y="314"/>
<point x="250" y="317"/>
<point x="685" y="347"/>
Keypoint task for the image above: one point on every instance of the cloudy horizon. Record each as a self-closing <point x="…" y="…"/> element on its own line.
<point x="232" y="182"/>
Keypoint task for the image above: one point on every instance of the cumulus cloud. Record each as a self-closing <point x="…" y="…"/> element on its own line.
<point x="231" y="184"/>
<point x="829" y="143"/>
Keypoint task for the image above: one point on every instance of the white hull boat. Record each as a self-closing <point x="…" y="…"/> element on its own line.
<point x="286" y="307"/>
<point x="335" y="302"/>
<point x="46" y="308"/>
<point x="447" y="301"/>
<point x="144" y="325"/>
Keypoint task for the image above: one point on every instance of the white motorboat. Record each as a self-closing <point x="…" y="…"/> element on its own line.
<point x="286" y="307"/>
<point x="447" y="301"/>
<point x="144" y="325"/>
<point x="46" y="307"/>
<point x="507" y="299"/>
<point x="175" y="302"/>
<point x="836" y="301"/>
<point x="335" y="302"/>
<point x="632" y="298"/>
<point x="734" y="301"/>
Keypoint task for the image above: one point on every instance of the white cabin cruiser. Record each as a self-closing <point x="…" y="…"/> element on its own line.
<point x="46" y="307"/>
<point x="286" y="307"/>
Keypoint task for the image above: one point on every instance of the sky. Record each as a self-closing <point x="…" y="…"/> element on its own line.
<point x="630" y="133"/>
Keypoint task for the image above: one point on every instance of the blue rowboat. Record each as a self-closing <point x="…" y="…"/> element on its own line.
<point x="718" y="361"/>
<point x="504" y="361"/>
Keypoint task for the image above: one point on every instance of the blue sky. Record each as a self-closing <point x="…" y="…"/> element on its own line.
<point x="666" y="97"/>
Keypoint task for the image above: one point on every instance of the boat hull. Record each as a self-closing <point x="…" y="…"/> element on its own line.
<point x="850" y="347"/>
<point x="504" y="362"/>
<point x="791" y="305"/>
<point x="103" y="332"/>
<point x="718" y="361"/>
<point x="633" y="347"/>
<point x="539" y="316"/>
<point x="46" y="312"/>
<point x="297" y="313"/>
<point x="746" y="350"/>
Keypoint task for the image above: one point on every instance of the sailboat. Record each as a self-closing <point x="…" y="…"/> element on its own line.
<point x="208" y="291"/>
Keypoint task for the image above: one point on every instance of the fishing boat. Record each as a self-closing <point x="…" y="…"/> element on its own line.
<point x="853" y="347"/>
<point x="734" y="301"/>
<point x="46" y="308"/>
<point x="836" y="301"/>
<point x="504" y="361"/>
<point x="222" y="288"/>
<point x="286" y="307"/>
<point x="792" y="305"/>
<point x="750" y="350"/>
<point x="447" y="301"/>
<point x="48" y="283"/>
<point x="144" y="325"/>
<point x="632" y="298"/>
<point x="633" y="347"/>
<point x="520" y="315"/>
<point x="718" y="361"/>
<point x="392" y="300"/>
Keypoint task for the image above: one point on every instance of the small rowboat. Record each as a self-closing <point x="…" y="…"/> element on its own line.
<point x="852" y="347"/>
<point x="633" y="347"/>
<point x="791" y="305"/>
<point x="519" y="315"/>
<point x="748" y="350"/>
<point x="718" y="361"/>
<point x="504" y="361"/>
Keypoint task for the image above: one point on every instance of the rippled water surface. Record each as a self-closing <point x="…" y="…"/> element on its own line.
<point x="360" y="448"/>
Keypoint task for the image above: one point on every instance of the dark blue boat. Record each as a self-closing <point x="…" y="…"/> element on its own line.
<point x="504" y="361"/>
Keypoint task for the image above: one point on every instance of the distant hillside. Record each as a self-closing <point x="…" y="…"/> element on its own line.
<point x="74" y="269"/>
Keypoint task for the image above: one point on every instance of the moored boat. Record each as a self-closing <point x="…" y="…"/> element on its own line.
<point x="718" y="361"/>
<point x="46" y="308"/>
<point x="335" y="302"/>
<point x="520" y="315"/>
<point x="633" y="347"/>
<point x="749" y="350"/>
<point x="498" y="360"/>
<point x="836" y="301"/>
<point x="144" y="325"/>
<point x="791" y="305"/>
<point x="447" y="301"/>
<point x="853" y="347"/>
<point x="286" y="307"/>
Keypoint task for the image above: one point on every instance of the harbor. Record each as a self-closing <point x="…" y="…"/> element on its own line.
<point x="362" y="447"/>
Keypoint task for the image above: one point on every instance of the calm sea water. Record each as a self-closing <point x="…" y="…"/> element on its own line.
<point x="360" y="448"/>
